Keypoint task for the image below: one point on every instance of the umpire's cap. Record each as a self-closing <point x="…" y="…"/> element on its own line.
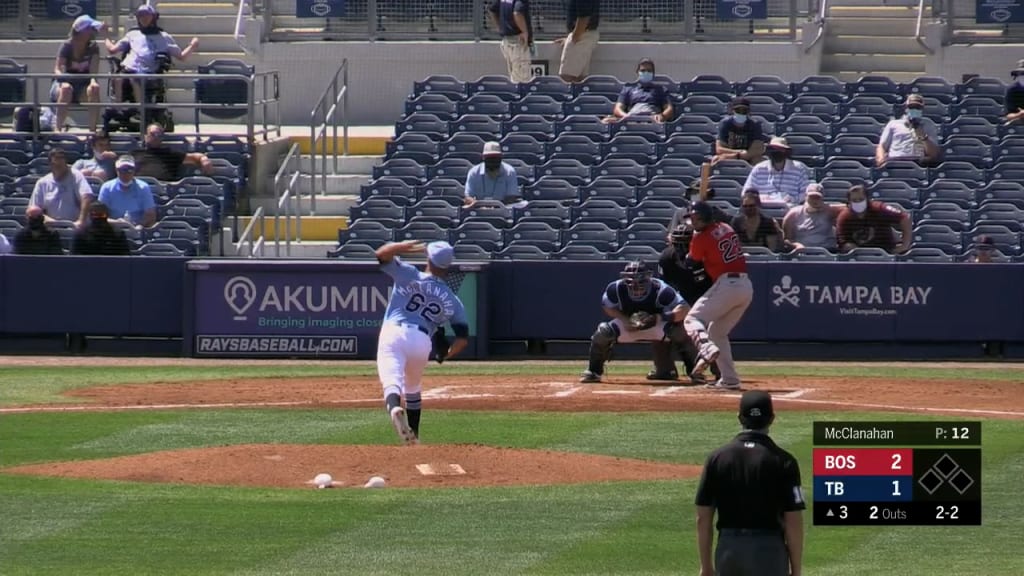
<point x="704" y="210"/>
<point x="756" y="409"/>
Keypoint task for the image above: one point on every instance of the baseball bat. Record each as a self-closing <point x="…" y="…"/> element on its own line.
<point x="705" y="177"/>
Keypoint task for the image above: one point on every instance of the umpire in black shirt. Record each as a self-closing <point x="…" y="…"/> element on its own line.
<point x="755" y="487"/>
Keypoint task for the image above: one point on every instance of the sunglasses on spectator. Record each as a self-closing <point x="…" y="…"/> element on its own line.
<point x="741" y="110"/>
<point x="915" y="106"/>
<point x="126" y="169"/>
<point x="748" y="206"/>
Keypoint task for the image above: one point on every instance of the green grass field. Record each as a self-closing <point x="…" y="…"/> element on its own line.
<point x="102" y="527"/>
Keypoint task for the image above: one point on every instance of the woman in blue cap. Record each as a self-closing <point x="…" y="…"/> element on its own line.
<point x="78" y="59"/>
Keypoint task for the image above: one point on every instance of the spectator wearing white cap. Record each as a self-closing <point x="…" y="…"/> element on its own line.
<point x="779" y="179"/>
<point x="813" y="223"/>
<point x="1014" y="98"/>
<point x="911" y="137"/>
<point x="142" y="45"/>
<point x="78" y="59"/>
<point x="127" y="197"/>
<point x="492" y="179"/>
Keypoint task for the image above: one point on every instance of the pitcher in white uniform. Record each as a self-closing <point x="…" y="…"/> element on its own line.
<point x="420" y="304"/>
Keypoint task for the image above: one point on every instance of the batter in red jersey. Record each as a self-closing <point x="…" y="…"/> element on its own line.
<point x="717" y="248"/>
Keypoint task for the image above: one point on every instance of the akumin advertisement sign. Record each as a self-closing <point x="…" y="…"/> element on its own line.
<point x="274" y="311"/>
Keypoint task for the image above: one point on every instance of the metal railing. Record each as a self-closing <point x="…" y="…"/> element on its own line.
<point x="247" y="245"/>
<point x="240" y="37"/>
<point x="324" y="116"/>
<point x="917" y="31"/>
<point x="267" y="105"/>
<point x="821" y="20"/>
<point x="962" y="26"/>
<point x="629" y="20"/>
<point x="286" y="190"/>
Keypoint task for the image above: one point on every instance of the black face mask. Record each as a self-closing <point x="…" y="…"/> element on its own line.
<point x="36" y="223"/>
<point x="778" y="156"/>
<point x="751" y="211"/>
<point x="492" y="163"/>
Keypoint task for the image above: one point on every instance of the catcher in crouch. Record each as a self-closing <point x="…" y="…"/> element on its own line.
<point x="643" y="309"/>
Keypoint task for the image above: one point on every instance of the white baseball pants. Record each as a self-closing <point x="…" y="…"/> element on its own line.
<point x="403" y="351"/>
<point x="716" y="313"/>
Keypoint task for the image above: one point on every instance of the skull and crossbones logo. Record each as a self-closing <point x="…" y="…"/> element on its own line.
<point x="786" y="292"/>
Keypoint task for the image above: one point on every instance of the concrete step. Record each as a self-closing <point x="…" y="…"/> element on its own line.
<point x="872" y="45"/>
<point x="854" y="75"/>
<point x="337" y="184"/>
<point x="170" y="9"/>
<point x="306" y="249"/>
<point x="873" y="12"/>
<point x="318" y="228"/>
<point x="890" y="62"/>
<point x="860" y="26"/>
<point x="325" y="205"/>
<point x="199" y="25"/>
<point x="347" y="165"/>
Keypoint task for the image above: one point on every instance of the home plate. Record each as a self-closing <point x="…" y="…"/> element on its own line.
<point x="440" y="469"/>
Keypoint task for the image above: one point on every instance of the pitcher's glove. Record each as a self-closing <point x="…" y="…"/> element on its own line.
<point x="440" y="345"/>
<point x="642" y="321"/>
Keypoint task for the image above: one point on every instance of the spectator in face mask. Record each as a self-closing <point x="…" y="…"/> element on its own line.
<point x="492" y="179"/>
<point x="869" y="224"/>
<point x="740" y="136"/>
<point x="128" y="197"/>
<point x="912" y="137"/>
<point x="1015" y="95"/>
<point x="100" y="238"/>
<point x="36" y="238"/>
<point x="753" y="227"/>
<point x="779" y="178"/>
<point x="101" y="163"/>
<point x="642" y="98"/>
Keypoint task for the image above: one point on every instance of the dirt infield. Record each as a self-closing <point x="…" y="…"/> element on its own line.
<point x="293" y="466"/>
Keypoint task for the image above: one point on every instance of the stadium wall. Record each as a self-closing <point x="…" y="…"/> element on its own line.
<point x="332" y="309"/>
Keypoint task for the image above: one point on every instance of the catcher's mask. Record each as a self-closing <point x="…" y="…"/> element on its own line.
<point x="637" y="277"/>
<point x="681" y="237"/>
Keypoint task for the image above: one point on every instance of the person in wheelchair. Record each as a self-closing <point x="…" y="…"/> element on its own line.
<point x="147" y="49"/>
<point x="77" y="61"/>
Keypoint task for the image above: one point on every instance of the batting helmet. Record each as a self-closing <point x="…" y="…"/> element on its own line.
<point x="637" y="276"/>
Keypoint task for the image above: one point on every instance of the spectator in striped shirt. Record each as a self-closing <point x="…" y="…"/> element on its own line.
<point x="780" y="179"/>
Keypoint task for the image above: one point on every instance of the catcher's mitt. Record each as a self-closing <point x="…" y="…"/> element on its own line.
<point x="642" y="321"/>
<point x="440" y="345"/>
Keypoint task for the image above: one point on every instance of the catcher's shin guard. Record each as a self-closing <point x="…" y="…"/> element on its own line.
<point x="601" y="347"/>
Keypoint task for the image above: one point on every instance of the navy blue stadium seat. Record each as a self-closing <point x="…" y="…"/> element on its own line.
<point x="9" y="226"/>
<point x="39" y="166"/>
<point x="448" y="85"/>
<point x="690" y="147"/>
<point x="835" y="189"/>
<point x="177" y="231"/>
<point x="522" y="145"/>
<point x="637" y="148"/>
<point x="570" y="170"/>
<point x="978" y="127"/>
<point x="759" y="254"/>
<point x="967" y="149"/>
<point x="369" y="232"/>
<point x="652" y="211"/>
<point x="978" y="106"/>
<point x="865" y="255"/>
<point x="904" y="170"/>
<point x="732" y="169"/>
<point x="876" y="86"/>
<point x="856" y="171"/>
<point x="608" y="86"/>
<point x="576" y="147"/>
<point x="523" y="252"/>
<point x="1006" y="240"/>
<point x="807" y="149"/>
<point x="432" y="210"/>
<point x="12" y="85"/>
<point x="765" y="107"/>
<point x="484" y="126"/>
<point x="640" y="126"/>
<point x="195" y="185"/>
<point x="166" y="249"/>
<point x="827" y="86"/>
<point x="650" y="233"/>
<point x="524" y="171"/>
<point x="423" y="231"/>
<point x="981" y="86"/>
<point x="694" y="125"/>
<point x="538" y="105"/>
<point x="494" y="212"/>
<point x="958" y="170"/>
<point x="480" y="234"/>
<point x="492" y="105"/>
<point x="72" y="144"/>
<point x="22" y="186"/>
<point x="708" y="84"/>
<point x="422" y="123"/>
<point x="765" y="85"/>
<point x="609" y="188"/>
<point x="461" y="144"/>
<point x="858" y="125"/>
<point x="850" y="148"/>
<point x="595" y="104"/>
<point x="379" y="209"/>
<point x="446" y="188"/>
<point x="815" y="105"/>
<point x="624" y="169"/>
<point x="551" y="188"/>
<point x="471" y="252"/>
<point x="1001" y="191"/>
<point x="947" y="213"/>
<point x="936" y="110"/>
<point x="894" y="191"/>
<point x="932" y="87"/>
<point x="1007" y="171"/>
<point x="494" y="85"/>
<point x="595" y="234"/>
<point x="404" y="169"/>
<point x="726" y="188"/>
<point x="877" y="107"/>
<point x="437" y="104"/>
<point x="938" y="236"/>
<point x="670" y="188"/>
<point x="948" y="190"/>
<point x="704" y="104"/>
<point x="676" y="167"/>
<point x="1010" y="149"/>
<point x="354" y="251"/>
<point x="8" y="168"/>
<point x="991" y="211"/>
<point x="809" y="254"/>
<point x="607" y="212"/>
<point x="635" y="252"/>
<point x="583" y="124"/>
<point x="13" y="207"/>
<point x="555" y="213"/>
<point x="534" y="234"/>
<point x="578" y="252"/>
<point x="803" y="124"/>
<point x="549" y="85"/>
<point x="454" y="168"/>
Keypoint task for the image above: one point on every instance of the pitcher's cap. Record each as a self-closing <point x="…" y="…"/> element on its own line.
<point x="440" y="254"/>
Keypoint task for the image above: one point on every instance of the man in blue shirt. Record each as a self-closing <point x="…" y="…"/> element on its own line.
<point x="642" y="98"/>
<point x="740" y="136"/>
<point x="512" y="20"/>
<point x="492" y="179"/>
<point x="127" y="197"/>
<point x="420" y="304"/>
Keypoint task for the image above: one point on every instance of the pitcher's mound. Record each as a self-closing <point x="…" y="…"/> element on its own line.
<point x="424" y="466"/>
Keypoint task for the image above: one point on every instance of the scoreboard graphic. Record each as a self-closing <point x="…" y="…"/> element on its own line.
<point x="897" y="473"/>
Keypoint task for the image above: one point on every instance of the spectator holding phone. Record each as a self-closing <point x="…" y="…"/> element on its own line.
<point x="912" y="137"/>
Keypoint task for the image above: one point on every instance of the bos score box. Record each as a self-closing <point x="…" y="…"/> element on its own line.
<point x="857" y="482"/>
